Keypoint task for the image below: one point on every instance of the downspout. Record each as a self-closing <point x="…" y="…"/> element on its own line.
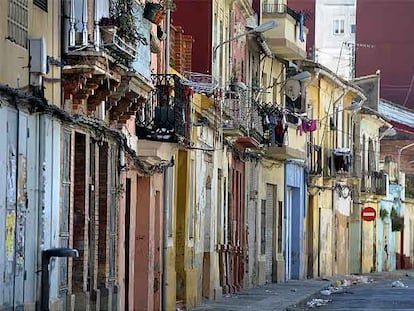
<point x="168" y="39"/>
<point x="165" y="225"/>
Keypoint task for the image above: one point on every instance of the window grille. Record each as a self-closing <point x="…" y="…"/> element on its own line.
<point x="41" y="4"/>
<point x="17" y="21"/>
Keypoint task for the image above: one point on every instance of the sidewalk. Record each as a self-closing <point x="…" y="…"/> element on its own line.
<point x="274" y="296"/>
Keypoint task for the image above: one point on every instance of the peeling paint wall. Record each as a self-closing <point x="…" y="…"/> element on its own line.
<point x="29" y="197"/>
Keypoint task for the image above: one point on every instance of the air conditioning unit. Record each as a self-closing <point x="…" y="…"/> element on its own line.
<point x="38" y="56"/>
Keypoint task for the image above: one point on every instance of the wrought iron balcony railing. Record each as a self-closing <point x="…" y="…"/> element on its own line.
<point x="315" y="159"/>
<point x="166" y="116"/>
<point x="240" y="113"/>
<point x="374" y="182"/>
<point x="270" y="8"/>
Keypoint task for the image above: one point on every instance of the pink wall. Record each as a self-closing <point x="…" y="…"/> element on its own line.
<point x="238" y="47"/>
<point x="384" y="41"/>
<point x="148" y="243"/>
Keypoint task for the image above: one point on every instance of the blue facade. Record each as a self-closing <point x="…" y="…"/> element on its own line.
<point x="386" y="258"/>
<point x="295" y="211"/>
<point x="142" y="62"/>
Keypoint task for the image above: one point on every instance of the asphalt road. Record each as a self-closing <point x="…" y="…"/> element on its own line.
<point x="376" y="295"/>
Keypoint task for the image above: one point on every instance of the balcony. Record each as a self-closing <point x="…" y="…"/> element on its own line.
<point x="374" y="183"/>
<point x="288" y="39"/>
<point x="241" y="120"/>
<point x="314" y="159"/>
<point x="339" y="163"/>
<point x="98" y="72"/>
<point x="166" y="115"/>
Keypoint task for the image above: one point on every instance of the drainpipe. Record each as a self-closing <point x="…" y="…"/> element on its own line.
<point x="168" y="39"/>
<point x="164" y="245"/>
<point x="46" y="255"/>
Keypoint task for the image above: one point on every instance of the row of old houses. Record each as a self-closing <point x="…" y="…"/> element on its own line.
<point x="158" y="153"/>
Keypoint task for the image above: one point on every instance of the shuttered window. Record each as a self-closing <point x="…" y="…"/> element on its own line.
<point x="41" y="4"/>
<point x="17" y="21"/>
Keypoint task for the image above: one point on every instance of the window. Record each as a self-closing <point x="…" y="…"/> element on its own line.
<point x="339" y="26"/>
<point x="17" y="22"/>
<point x="41" y="4"/>
<point x="191" y="203"/>
<point x="263" y="228"/>
<point x="352" y="22"/>
<point x="169" y="199"/>
<point x="280" y="227"/>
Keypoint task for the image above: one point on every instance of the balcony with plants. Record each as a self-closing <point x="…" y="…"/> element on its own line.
<point x="107" y="59"/>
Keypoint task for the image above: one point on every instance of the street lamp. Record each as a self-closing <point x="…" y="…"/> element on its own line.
<point x="388" y="133"/>
<point x="399" y="154"/>
<point x="258" y="29"/>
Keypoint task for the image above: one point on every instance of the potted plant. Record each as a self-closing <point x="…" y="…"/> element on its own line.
<point x="122" y="17"/>
<point x="383" y="214"/>
<point x="154" y="12"/>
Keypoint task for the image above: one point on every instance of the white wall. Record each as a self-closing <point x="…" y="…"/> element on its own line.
<point x="328" y="45"/>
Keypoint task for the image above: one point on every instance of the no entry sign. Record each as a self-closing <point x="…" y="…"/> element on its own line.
<point x="369" y="214"/>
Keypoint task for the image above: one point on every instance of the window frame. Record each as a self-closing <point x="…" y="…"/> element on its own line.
<point x="17" y="25"/>
<point x="338" y="26"/>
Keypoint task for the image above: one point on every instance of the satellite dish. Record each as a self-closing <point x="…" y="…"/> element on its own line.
<point x="292" y="89"/>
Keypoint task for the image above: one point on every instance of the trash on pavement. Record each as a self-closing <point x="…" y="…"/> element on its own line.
<point x="325" y="292"/>
<point x="317" y="302"/>
<point x="398" y="284"/>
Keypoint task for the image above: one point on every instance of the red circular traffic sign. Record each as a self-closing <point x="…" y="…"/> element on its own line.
<point x="369" y="214"/>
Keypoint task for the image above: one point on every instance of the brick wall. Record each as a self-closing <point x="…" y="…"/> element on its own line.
<point x="79" y="211"/>
<point x="391" y="147"/>
<point x="103" y="247"/>
<point x="181" y="49"/>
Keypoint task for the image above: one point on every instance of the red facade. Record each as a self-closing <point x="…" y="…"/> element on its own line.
<point x="195" y="17"/>
<point x="384" y="41"/>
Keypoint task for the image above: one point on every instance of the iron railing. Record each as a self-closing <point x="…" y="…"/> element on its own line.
<point x="374" y="182"/>
<point x="315" y="159"/>
<point x="166" y="115"/>
<point x="239" y="112"/>
<point x="272" y="8"/>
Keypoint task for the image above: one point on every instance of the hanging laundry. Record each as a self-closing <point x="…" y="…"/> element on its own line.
<point x="342" y="159"/>
<point x="307" y="126"/>
<point x="280" y="130"/>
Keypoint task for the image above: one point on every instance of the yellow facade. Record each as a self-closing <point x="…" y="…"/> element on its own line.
<point x="329" y="99"/>
<point x="14" y="59"/>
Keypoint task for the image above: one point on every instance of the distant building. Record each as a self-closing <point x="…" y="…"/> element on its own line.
<point x="332" y="29"/>
<point x="382" y="43"/>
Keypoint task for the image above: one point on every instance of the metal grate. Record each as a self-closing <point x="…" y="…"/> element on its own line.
<point x="17" y="21"/>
